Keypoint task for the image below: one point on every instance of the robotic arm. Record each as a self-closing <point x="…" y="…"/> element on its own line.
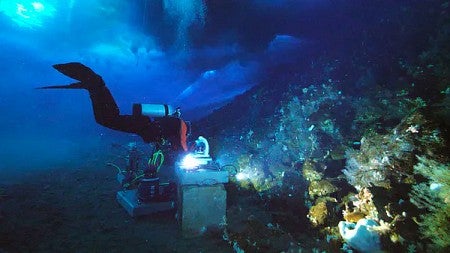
<point x="153" y="123"/>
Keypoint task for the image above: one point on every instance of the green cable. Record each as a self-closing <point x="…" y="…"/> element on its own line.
<point x="136" y="178"/>
<point x="154" y="159"/>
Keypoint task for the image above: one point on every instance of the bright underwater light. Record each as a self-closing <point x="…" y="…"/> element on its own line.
<point x="29" y="14"/>
<point x="189" y="162"/>
<point x="242" y="176"/>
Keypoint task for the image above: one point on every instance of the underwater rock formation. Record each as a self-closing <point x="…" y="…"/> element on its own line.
<point x="309" y="173"/>
<point x="301" y="131"/>
<point x="386" y="159"/>
<point x="319" y="191"/>
<point x="297" y="130"/>
<point x="321" y="188"/>
<point x="381" y="122"/>
<point x="292" y="160"/>
<point x="433" y="196"/>
<point x="318" y="213"/>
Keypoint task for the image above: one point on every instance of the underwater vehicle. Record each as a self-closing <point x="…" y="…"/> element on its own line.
<point x="198" y="178"/>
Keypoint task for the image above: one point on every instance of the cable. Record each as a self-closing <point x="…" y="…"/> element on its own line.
<point x="154" y="160"/>
<point x="136" y="178"/>
<point x="230" y="165"/>
<point x="115" y="166"/>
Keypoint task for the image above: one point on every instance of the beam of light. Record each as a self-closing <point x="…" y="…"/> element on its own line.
<point x="27" y="14"/>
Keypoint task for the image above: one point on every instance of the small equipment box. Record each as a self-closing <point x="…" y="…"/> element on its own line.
<point x="128" y="199"/>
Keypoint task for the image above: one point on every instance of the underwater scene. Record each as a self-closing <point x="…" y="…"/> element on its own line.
<point x="224" y="126"/>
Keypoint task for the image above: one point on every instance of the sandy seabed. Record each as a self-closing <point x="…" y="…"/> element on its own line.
<point x="75" y="210"/>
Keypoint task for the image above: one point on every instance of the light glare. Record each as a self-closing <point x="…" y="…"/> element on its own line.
<point x="28" y="14"/>
<point x="189" y="162"/>
<point x="242" y="176"/>
<point x="38" y="6"/>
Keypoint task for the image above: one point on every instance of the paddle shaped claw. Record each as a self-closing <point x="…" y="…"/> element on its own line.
<point x="88" y="78"/>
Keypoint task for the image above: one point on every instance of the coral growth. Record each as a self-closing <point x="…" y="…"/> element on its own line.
<point x="388" y="163"/>
<point x="353" y="216"/>
<point x="434" y="197"/>
<point x="384" y="159"/>
<point x="309" y="173"/>
<point x="363" y="206"/>
<point x="318" y="213"/>
<point x="297" y="130"/>
<point x="321" y="188"/>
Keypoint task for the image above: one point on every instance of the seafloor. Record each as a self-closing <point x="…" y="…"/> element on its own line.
<point x="75" y="210"/>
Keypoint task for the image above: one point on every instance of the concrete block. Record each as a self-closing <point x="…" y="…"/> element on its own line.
<point x="201" y="177"/>
<point x="201" y="208"/>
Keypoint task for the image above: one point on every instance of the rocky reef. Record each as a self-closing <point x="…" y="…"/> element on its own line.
<point x="338" y="147"/>
<point x="432" y="197"/>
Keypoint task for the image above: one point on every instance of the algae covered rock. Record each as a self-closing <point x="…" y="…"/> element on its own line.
<point x="310" y="173"/>
<point x="354" y="216"/>
<point x="318" y="213"/>
<point x="321" y="188"/>
<point x="388" y="158"/>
